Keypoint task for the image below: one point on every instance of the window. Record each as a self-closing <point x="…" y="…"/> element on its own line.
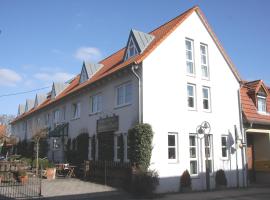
<point x="261" y="104"/>
<point x="189" y="57"/>
<point x="172" y="146"/>
<point x="56" y="116"/>
<point x="206" y="98"/>
<point x="76" y="110"/>
<point x="204" y="61"/>
<point x="90" y="149"/>
<point x="126" y="148"/>
<point x="96" y="103"/>
<point x="208" y="152"/>
<point x="132" y="50"/>
<point x="124" y="94"/>
<point x="117" y="147"/>
<point x="193" y="155"/>
<point x="224" y="146"/>
<point x="191" y="96"/>
<point x="47" y="119"/>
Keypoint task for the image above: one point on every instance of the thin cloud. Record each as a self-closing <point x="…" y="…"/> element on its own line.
<point x="88" y="54"/>
<point x="9" y="77"/>
<point x="56" y="77"/>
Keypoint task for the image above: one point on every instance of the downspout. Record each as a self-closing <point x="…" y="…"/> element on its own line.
<point x="133" y="68"/>
<point x="243" y="149"/>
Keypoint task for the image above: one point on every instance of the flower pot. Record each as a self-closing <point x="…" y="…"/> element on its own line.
<point x="23" y="179"/>
<point x="50" y="173"/>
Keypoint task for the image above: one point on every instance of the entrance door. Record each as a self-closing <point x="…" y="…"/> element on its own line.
<point x="250" y="158"/>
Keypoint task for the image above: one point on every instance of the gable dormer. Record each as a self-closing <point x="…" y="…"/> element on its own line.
<point x="57" y="88"/>
<point x="261" y="97"/>
<point x="29" y="104"/>
<point x="88" y="70"/>
<point x="40" y="98"/>
<point x="137" y="42"/>
<point x="21" y="109"/>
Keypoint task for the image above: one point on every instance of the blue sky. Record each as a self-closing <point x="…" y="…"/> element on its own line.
<point x="43" y="41"/>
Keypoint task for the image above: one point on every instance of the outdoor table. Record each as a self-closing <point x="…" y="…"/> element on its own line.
<point x="71" y="173"/>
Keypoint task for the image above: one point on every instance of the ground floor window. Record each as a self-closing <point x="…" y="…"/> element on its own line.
<point x="56" y="143"/>
<point x="126" y="148"/>
<point x="224" y="146"/>
<point x="208" y="152"/>
<point x="193" y="154"/>
<point x="172" y="146"/>
<point x="117" y="147"/>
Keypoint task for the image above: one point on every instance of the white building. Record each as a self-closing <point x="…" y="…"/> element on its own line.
<point x="173" y="78"/>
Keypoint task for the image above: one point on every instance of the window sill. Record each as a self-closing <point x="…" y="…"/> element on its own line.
<point x="192" y="109"/>
<point x="172" y="161"/>
<point x="73" y="119"/>
<point x="194" y="176"/>
<point x="122" y="105"/>
<point x="224" y="159"/>
<point x="94" y="113"/>
<point x="191" y="75"/>
<point x="206" y="78"/>
<point x="207" y="111"/>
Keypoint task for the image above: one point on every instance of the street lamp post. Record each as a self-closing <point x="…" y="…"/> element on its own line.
<point x="204" y="130"/>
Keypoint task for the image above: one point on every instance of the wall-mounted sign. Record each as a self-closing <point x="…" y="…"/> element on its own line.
<point x="108" y="124"/>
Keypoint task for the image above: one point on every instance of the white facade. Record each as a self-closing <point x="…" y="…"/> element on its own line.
<point x="164" y="101"/>
<point x="165" y="106"/>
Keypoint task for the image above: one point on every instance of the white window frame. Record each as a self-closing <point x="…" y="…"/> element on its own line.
<point x="204" y="65"/>
<point x="76" y="110"/>
<point x="56" y="116"/>
<point x="173" y="160"/>
<point x="210" y="146"/>
<point x="125" y="100"/>
<point x="194" y="97"/>
<point x="190" y="60"/>
<point x="131" y="47"/>
<point x="262" y="98"/>
<point x="116" y="148"/>
<point x="96" y="103"/>
<point x="224" y="147"/>
<point x="208" y="99"/>
<point x="196" y="152"/>
<point x="126" y="147"/>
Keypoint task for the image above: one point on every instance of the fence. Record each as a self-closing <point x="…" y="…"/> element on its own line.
<point x="107" y="172"/>
<point x="13" y="186"/>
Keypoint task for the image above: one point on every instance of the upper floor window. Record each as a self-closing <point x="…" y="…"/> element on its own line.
<point x="204" y="61"/>
<point x="96" y="103"/>
<point x="76" y="109"/>
<point x="56" y="116"/>
<point x="190" y="57"/>
<point x="124" y="94"/>
<point x="132" y="50"/>
<point x="206" y="98"/>
<point x="191" y="89"/>
<point x="261" y="104"/>
<point x="172" y="146"/>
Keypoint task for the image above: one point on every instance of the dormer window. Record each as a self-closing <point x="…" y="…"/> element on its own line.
<point x="132" y="50"/>
<point x="261" y="104"/>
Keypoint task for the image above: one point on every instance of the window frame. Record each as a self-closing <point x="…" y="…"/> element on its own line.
<point x="125" y="102"/>
<point x="188" y="60"/>
<point x="207" y="61"/>
<point x="210" y="146"/>
<point x="116" y="148"/>
<point x="135" y="49"/>
<point x="76" y="113"/>
<point x="208" y="99"/>
<point x="194" y="97"/>
<point x="265" y="101"/>
<point x="197" y="156"/>
<point x="126" y="147"/>
<point x="98" y="97"/>
<point x="224" y="146"/>
<point x="172" y="160"/>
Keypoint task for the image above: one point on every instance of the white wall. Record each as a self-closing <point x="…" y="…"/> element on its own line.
<point x="165" y="103"/>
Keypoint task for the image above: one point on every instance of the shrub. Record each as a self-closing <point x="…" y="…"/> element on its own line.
<point x="42" y="163"/>
<point x="144" y="183"/>
<point x="221" y="178"/>
<point x="140" y="143"/>
<point x="185" y="180"/>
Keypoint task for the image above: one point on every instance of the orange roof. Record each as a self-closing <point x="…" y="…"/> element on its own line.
<point x="249" y="92"/>
<point x="116" y="62"/>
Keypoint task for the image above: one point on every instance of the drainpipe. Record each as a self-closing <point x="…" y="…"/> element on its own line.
<point x="243" y="149"/>
<point x="133" y="68"/>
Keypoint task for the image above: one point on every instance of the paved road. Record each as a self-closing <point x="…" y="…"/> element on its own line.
<point x="74" y="189"/>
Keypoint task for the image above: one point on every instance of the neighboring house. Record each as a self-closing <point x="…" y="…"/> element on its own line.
<point x="255" y="99"/>
<point x="174" y="78"/>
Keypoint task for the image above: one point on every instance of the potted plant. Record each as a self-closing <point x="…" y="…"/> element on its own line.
<point x="185" y="182"/>
<point x="22" y="176"/>
<point x="221" y="180"/>
<point x="50" y="171"/>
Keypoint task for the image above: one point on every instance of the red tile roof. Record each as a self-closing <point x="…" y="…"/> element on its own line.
<point x="249" y="92"/>
<point x="115" y="62"/>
